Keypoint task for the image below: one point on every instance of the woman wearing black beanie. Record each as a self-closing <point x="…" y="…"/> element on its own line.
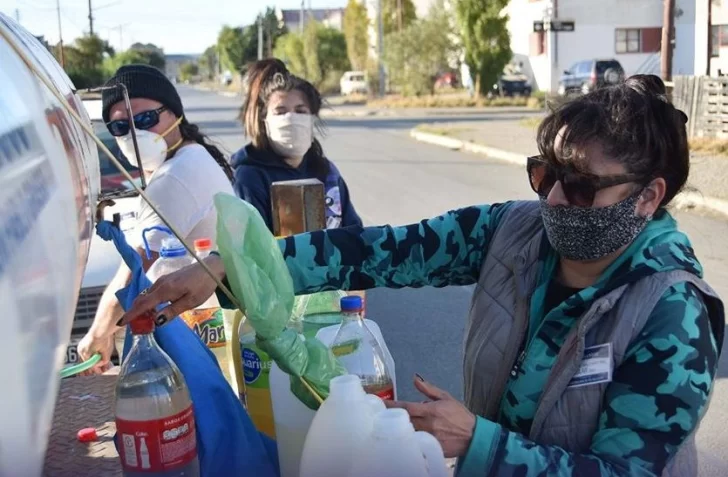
<point x="183" y="171"/>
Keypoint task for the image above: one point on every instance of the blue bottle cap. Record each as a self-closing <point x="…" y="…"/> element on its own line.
<point x="351" y="303"/>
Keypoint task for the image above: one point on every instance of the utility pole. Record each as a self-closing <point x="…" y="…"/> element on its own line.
<point x="260" y="38"/>
<point x="121" y="37"/>
<point x="60" y="33"/>
<point x="380" y="47"/>
<point x="710" y="37"/>
<point x="90" y="19"/>
<point x="399" y="15"/>
<point x="668" y="19"/>
<point x="302" y="20"/>
<point x="17" y="15"/>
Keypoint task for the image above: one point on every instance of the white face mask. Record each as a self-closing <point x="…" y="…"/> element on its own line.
<point x="152" y="147"/>
<point x="290" y="134"/>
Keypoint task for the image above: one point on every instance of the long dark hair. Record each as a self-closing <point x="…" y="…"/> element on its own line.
<point x="634" y="122"/>
<point x="264" y="78"/>
<point x="191" y="132"/>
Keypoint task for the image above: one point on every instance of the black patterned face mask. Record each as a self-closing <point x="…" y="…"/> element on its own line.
<point x="590" y="233"/>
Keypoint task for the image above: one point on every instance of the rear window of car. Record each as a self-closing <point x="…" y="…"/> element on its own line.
<point x="603" y="66"/>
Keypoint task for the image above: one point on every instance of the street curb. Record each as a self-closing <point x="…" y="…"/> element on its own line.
<point x="684" y="200"/>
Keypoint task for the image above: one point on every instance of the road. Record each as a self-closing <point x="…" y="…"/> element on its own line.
<point x="396" y="180"/>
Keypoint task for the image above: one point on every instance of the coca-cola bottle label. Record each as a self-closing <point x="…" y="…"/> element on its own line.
<point x="157" y="445"/>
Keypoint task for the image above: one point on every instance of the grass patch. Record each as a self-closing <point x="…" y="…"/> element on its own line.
<point x="451" y="101"/>
<point x="531" y="123"/>
<point x="709" y="146"/>
<point x="351" y="100"/>
<point x="447" y="131"/>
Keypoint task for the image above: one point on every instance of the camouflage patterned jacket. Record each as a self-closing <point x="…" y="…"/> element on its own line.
<point x="529" y="423"/>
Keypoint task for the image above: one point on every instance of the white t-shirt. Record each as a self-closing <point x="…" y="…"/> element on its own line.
<point x="183" y="189"/>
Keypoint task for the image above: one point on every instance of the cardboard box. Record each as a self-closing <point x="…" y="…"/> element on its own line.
<point x="298" y="206"/>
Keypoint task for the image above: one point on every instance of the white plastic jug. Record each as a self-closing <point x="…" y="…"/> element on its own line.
<point x="394" y="449"/>
<point x="327" y="335"/>
<point x="340" y="428"/>
<point x="292" y="420"/>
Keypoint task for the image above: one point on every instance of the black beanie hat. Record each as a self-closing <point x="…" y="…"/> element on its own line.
<point x="142" y="81"/>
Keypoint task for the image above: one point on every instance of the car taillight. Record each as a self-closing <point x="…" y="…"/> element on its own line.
<point x="594" y="77"/>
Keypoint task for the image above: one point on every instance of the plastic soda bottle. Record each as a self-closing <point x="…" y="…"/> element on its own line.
<point x="358" y="349"/>
<point x="154" y="419"/>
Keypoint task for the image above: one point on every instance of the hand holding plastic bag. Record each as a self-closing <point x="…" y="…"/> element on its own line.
<point x="259" y="278"/>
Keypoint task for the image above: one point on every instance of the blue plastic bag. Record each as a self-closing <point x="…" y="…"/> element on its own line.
<point x="227" y="441"/>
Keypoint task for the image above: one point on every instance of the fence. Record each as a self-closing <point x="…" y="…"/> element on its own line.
<point x="705" y="101"/>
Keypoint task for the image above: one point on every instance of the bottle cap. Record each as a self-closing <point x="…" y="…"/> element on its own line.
<point x="142" y="325"/>
<point x="172" y="247"/>
<point x="87" y="434"/>
<point x="351" y="303"/>
<point x="203" y="244"/>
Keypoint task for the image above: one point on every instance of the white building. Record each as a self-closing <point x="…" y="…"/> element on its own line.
<point x="629" y="31"/>
<point x="328" y="17"/>
<point x="716" y="43"/>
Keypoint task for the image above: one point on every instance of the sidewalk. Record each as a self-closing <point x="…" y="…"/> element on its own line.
<point x="513" y="141"/>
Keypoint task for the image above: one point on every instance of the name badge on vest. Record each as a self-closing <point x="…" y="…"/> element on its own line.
<point x="596" y="366"/>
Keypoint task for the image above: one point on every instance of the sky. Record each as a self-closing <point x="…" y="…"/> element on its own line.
<point x="178" y="26"/>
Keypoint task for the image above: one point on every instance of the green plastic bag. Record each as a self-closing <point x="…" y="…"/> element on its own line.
<point x="259" y="278"/>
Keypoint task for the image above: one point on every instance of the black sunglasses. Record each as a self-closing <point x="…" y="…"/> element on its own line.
<point x="579" y="188"/>
<point x="143" y="120"/>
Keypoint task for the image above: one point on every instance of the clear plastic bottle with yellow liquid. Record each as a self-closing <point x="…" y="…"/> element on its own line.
<point x="207" y="319"/>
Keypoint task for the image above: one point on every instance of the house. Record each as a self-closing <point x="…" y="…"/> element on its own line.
<point x="629" y="31"/>
<point x="711" y="46"/>
<point x="330" y="17"/>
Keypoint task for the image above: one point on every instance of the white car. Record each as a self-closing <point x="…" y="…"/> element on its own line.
<point x="103" y="260"/>
<point x="353" y="82"/>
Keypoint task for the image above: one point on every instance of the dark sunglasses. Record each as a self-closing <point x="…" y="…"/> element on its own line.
<point x="143" y="120"/>
<point x="579" y="188"/>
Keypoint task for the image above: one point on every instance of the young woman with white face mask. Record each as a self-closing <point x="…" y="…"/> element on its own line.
<point x="183" y="173"/>
<point x="279" y="115"/>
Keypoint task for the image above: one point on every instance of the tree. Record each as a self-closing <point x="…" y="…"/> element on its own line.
<point x="272" y="30"/>
<point x="289" y="49"/>
<point x="332" y="50"/>
<point x="416" y="55"/>
<point x="391" y="12"/>
<point x="152" y="54"/>
<point x="237" y="46"/>
<point x="208" y="62"/>
<point x="485" y="38"/>
<point x="130" y="57"/>
<point x="311" y="52"/>
<point x="356" y="32"/>
<point x="187" y="71"/>
<point x="83" y="60"/>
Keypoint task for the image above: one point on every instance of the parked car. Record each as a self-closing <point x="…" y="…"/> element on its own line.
<point x="103" y="260"/>
<point x="511" y="85"/>
<point x="353" y="82"/>
<point x="588" y="75"/>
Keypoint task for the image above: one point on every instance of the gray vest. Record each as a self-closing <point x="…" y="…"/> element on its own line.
<point x="497" y="324"/>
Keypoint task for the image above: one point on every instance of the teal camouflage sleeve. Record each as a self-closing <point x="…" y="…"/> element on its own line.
<point x="445" y="250"/>
<point x="656" y="399"/>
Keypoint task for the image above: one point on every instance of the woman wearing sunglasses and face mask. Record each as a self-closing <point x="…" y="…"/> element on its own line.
<point x="183" y="173"/>
<point x="279" y="115"/>
<point x="592" y="342"/>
